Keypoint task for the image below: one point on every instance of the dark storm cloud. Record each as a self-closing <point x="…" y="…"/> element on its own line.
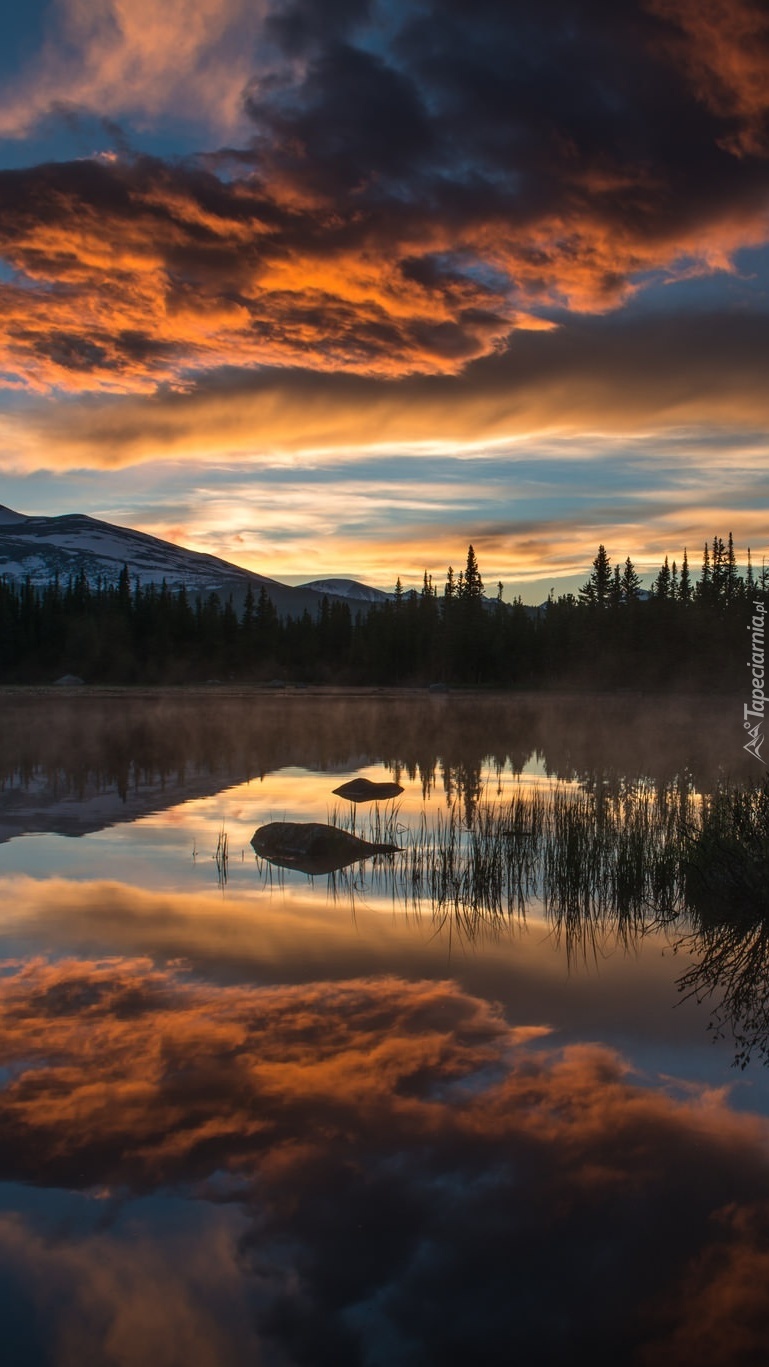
<point x="354" y="120"/>
<point x="422" y="182"/>
<point x="302" y="25"/>
<point x="500" y="111"/>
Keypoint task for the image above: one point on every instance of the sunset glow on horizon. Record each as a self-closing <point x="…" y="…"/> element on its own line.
<point x="337" y="290"/>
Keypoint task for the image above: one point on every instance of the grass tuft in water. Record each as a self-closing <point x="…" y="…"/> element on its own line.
<point x="222" y="857"/>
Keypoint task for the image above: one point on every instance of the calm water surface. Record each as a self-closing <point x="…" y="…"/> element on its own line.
<point x="253" y="1117"/>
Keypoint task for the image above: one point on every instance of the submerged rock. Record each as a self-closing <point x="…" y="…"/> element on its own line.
<point x="311" y="847"/>
<point x="363" y="790"/>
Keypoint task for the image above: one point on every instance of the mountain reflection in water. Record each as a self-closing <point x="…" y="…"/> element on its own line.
<point x="248" y="1125"/>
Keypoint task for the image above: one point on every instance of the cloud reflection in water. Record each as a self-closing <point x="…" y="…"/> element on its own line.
<point x="415" y="1179"/>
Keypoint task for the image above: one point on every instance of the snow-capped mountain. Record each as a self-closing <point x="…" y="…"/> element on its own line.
<point x="350" y="589"/>
<point x="41" y="547"/>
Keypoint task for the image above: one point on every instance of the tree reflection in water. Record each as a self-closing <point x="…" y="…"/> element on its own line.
<point x="624" y="845"/>
<point x="609" y="868"/>
<point x="726" y="886"/>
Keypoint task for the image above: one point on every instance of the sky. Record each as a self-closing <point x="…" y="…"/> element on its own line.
<point x="335" y="287"/>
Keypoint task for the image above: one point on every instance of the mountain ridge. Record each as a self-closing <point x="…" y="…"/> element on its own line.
<point x="39" y="547"/>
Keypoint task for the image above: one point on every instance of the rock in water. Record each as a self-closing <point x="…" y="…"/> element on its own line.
<point x="363" y="790"/>
<point x="311" y="847"/>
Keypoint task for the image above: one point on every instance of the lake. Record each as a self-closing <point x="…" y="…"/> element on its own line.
<point x="251" y="1115"/>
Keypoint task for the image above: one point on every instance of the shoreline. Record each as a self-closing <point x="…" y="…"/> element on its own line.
<point x="416" y="691"/>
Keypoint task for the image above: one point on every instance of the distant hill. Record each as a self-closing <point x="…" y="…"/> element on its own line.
<point x="41" y="547"/>
<point x="350" y="589"/>
<point x="356" y="592"/>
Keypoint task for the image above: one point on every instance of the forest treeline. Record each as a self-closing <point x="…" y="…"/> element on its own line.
<point x="689" y="632"/>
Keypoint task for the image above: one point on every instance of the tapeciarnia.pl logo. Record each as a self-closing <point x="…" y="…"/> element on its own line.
<point x="756" y="707"/>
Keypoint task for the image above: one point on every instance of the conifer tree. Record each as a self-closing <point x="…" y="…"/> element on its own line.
<point x="631" y="584"/>
<point x="662" y="582"/>
<point x="124" y="589"/>
<point x="718" y="568"/>
<point x="685" y="582"/>
<point x="704" y="587"/>
<point x="596" y="591"/>
<point x="472" y="584"/>
<point x="730" y="572"/>
<point x="247" y="619"/>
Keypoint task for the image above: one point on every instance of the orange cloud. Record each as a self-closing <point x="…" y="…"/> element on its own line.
<point x="129" y="276"/>
<point x="657" y="379"/>
<point x="145" y="1068"/>
<point x="126" y="1301"/>
<point x="134" y="275"/>
<point x="723" y="1296"/>
<point x="190" y="58"/>
<point x="100" y="1071"/>
<point x="724" y="50"/>
<point x="381" y="220"/>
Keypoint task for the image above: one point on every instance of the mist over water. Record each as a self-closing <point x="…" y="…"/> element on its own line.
<point x="194" y="742"/>
<point x="251" y="1115"/>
